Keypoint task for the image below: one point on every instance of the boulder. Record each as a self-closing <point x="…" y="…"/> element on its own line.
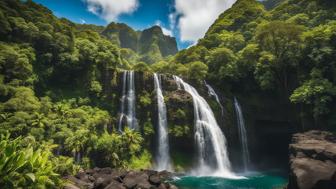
<point x="165" y="175"/>
<point x="108" y="178"/>
<point x="106" y="170"/>
<point x="144" y="184"/>
<point x="89" y="171"/>
<point x="149" y="172"/>
<point x="80" y="183"/>
<point x="155" y="179"/>
<point x="312" y="160"/>
<point x="115" y="185"/>
<point x="170" y="186"/>
<point x="102" y="182"/>
<point x="83" y="176"/>
<point x="70" y="186"/>
<point x="162" y="186"/>
<point x="133" y="178"/>
<point x="160" y="177"/>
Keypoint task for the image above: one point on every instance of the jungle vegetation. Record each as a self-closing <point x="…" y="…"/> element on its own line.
<point x="57" y="78"/>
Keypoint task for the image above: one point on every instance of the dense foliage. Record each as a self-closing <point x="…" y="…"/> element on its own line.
<point x="58" y="81"/>
<point x="24" y="166"/>
<point x="288" y="51"/>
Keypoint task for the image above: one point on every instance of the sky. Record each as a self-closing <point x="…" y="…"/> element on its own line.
<point x="186" y="20"/>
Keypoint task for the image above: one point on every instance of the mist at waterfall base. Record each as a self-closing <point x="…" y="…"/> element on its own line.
<point x="266" y="180"/>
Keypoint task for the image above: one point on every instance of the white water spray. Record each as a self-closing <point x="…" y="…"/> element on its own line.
<point x="163" y="158"/>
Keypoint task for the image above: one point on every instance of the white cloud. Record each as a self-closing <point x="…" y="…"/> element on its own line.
<point x="109" y="10"/>
<point x="165" y="31"/>
<point x="82" y="21"/>
<point x="194" y="17"/>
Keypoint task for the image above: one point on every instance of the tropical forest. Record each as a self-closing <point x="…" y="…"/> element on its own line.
<point x="221" y="94"/>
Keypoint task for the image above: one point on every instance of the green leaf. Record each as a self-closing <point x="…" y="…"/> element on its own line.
<point x="31" y="176"/>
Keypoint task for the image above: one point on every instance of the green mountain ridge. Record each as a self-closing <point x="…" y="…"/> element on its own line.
<point x="148" y="43"/>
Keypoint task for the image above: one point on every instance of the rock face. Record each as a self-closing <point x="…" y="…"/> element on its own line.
<point x="313" y="161"/>
<point x="107" y="178"/>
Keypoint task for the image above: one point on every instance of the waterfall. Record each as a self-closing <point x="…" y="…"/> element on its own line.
<point x="163" y="158"/>
<point x="176" y="79"/>
<point x="242" y="134"/>
<point x="131" y="120"/>
<point x="213" y="93"/>
<point x="208" y="136"/>
<point x="122" y="101"/>
<point x="128" y="98"/>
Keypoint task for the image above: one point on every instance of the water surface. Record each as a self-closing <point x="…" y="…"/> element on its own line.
<point x="251" y="181"/>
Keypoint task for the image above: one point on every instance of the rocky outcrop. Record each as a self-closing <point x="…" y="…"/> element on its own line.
<point x="107" y="178"/>
<point x="313" y="161"/>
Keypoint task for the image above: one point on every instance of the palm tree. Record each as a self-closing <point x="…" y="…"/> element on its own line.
<point x="76" y="142"/>
<point x="40" y="120"/>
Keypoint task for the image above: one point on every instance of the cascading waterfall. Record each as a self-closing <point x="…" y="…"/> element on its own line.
<point x="163" y="158"/>
<point x="128" y="97"/>
<point x="242" y="134"/>
<point x="122" y="101"/>
<point x="207" y="135"/>
<point x="131" y="120"/>
<point x="179" y="87"/>
<point x="213" y="93"/>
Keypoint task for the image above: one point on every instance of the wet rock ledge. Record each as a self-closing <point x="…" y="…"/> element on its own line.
<point x="107" y="178"/>
<point x="313" y="161"/>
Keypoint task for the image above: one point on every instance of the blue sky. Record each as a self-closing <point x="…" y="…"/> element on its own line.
<point x="187" y="20"/>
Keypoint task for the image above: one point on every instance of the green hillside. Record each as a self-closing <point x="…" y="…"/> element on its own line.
<point x="150" y="44"/>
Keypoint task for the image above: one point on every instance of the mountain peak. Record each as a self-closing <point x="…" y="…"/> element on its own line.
<point x="150" y="40"/>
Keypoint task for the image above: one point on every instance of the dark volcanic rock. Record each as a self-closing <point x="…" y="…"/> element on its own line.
<point x="107" y="178"/>
<point x="160" y="177"/>
<point x="313" y="161"/>
<point x="133" y="178"/>
<point x="115" y="185"/>
<point x="70" y="186"/>
<point x="155" y="179"/>
<point x="80" y="183"/>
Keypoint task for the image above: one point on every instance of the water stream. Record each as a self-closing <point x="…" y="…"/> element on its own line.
<point x="163" y="158"/>
<point x="128" y="102"/>
<point x="242" y="134"/>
